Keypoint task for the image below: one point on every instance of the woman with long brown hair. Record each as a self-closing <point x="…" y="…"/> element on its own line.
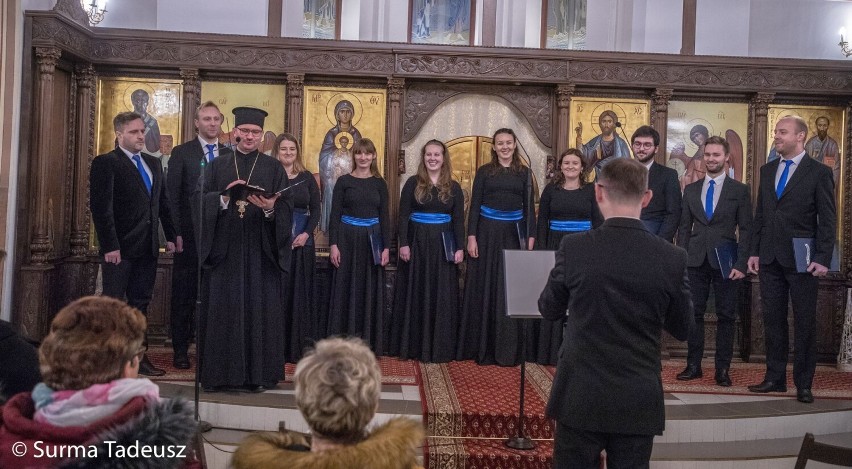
<point x="431" y="233"/>
<point x="359" y="236"/>
<point x="500" y="214"/>
<point x="567" y="205"/>
<point x="300" y="316"/>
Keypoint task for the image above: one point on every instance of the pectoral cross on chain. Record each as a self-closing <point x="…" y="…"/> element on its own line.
<point x="242" y="207"/>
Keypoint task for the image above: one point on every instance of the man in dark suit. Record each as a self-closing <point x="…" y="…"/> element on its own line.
<point x="128" y="200"/>
<point x="607" y="392"/>
<point x="715" y="208"/>
<point x="795" y="200"/>
<point x="182" y="181"/>
<point x="662" y="213"/>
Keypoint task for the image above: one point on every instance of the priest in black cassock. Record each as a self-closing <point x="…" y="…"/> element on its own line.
<point x="244" y="248"/>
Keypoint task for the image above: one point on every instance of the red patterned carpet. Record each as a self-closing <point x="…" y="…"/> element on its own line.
<point x="470" y="410"/>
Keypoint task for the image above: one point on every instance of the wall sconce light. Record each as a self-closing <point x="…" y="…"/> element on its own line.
<point x="844" y="46"/>
<point x="95" y="10"/>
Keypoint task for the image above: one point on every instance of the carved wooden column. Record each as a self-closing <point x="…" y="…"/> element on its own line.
<point x="659" y="119"/>
<point x="82" y="158"/>
<point x="759" y="110"/>
<point x="191" y="95"/>
<point x="563" y="110"/>
<point x="295" y="93"/>
<point x="46" y="58"/>
<point x="396" y="87"/>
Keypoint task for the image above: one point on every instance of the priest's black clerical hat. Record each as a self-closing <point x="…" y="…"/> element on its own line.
<point x="249" y="115"/>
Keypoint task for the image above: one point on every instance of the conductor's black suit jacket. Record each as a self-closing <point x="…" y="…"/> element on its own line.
<point x="621" y="286"/>
<point x="182" y="183"/>
<point x="125" y="216"/>
<point x="805" y="210"/>
<point x="700" y="236"/>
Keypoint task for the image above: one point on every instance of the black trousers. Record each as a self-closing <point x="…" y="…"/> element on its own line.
<point x="184" y="294"/>
<point x="725" y="292"/>
<point x="579" y="449"/>
<point x="131" y="280"/>
<point x="777" y="284"/>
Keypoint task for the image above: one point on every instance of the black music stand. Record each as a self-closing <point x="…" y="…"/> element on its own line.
<point x="523" y="285"/>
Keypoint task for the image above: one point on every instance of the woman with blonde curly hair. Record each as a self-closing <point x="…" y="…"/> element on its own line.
<point x="91" y="402"/>
<point x="338" y="385"/>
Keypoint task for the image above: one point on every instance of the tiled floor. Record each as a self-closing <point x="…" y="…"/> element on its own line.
<point x="702" y="430"/>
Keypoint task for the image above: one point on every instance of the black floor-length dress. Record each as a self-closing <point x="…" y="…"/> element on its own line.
<point x="578" y="208"/>
<point x="486" y="334"/>
<point x="426" y="302"/>
<point x="300" y="311"/>
<point x="356" y="306"/>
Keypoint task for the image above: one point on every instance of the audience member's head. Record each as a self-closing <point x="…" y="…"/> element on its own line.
<point x="337" y="388"/>
<point x="93" y="340"/>
<point x="19" y="370"/>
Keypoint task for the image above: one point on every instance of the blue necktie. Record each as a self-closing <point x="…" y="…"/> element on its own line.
<point x="708" y="200"/>
<point x="210" y="156"/>
<point x="143" y="173"/>
<point x="783" y="181"/>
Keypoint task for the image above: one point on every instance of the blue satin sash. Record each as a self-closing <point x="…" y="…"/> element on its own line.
<point x="501" y="215"/>
<point x="570" y="225"/>
<point x="354" y="221"/>
<point x="430" y="218"/>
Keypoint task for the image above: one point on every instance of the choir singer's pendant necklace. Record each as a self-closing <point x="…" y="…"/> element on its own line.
<point x="242" y="204"/>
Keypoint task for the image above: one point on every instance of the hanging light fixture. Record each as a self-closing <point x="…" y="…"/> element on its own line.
<point x="95" y="10"/>
<point x="844" y="46"/>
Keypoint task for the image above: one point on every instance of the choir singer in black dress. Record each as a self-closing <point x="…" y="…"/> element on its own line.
<point x="359" y="236"/>
<point x="496" y="221"/>
<point x="567" y="206"/>
<point x="431" y="230"/>
<point x="299" y="310"/>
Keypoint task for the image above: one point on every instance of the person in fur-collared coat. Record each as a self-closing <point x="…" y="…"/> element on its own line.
<point x="92" y="410"/>
<point x="337" y="390"/>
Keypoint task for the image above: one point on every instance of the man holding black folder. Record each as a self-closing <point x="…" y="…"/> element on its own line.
<point x="714" y="209"/>
<point x="244" y="243"/>
<point x="795" y="200"/>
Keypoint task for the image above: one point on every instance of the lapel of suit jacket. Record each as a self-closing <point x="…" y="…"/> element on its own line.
<point x="695" y="200"/>
<point x="724" y="191"/>
<point x="800" y="173"/>
<point x="767" y="178"/>
<point x="129" y="164"/>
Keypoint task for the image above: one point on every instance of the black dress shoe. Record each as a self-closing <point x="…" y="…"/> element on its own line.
<point x="147" y="368"/>
<point x="768" y="386"/>
<point x="181" y="361"/>
<point x="256" y="389"/>
<point x="691" y="372"/>
<point x="722" y="377"/>
<point x="805" y="395"/>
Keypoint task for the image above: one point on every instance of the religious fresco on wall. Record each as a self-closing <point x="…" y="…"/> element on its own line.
<point x="690" y="124"/>
<point x="269" y="97"/>
<point x="333" y="120"/>
<point x="602" y="127"/>
<point x="441" y="22"/>
<point x="157" y="101"/>
<point x="566" y="24"/>
<point x="159" y="104"/>
<point x="320" y="20"/>
<point x="825" y="142"/>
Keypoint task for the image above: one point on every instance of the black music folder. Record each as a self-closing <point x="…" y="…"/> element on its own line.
<point x="450" y="248"/>
<point x="803" y="250"/>
<point x="726" y="254"/>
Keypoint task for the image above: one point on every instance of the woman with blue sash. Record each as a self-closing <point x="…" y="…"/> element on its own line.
<point x="300" y="316"/>
<point x="431" y="236"/>
<point x="500" y="213"/>
<point x="359" y="236"/>
<point x="567" y="206"/>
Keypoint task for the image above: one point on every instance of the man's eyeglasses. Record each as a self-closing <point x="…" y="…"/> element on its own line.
<point x="646" y="145"/>
<point x="255" y="132"/>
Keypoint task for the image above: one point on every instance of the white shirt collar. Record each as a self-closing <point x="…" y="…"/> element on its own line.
<point x="797" y="160"/>
<point x="719" y="179"/>
<point x="204" y="143"/>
